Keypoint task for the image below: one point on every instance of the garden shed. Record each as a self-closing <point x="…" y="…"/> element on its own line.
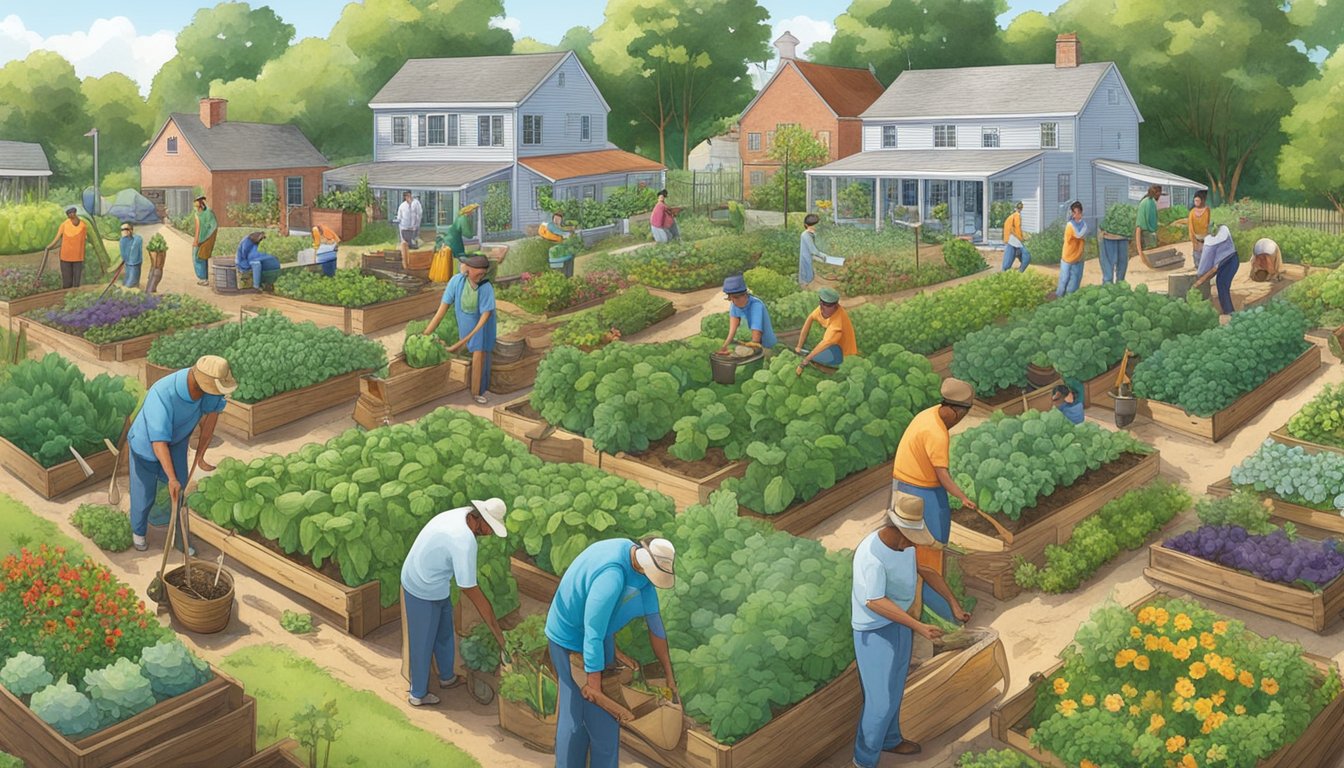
<point x="23" y="170"/>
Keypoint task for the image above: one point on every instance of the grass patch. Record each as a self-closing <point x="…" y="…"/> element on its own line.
<point x="20" y="527"/>
<point x="373" y="732"/>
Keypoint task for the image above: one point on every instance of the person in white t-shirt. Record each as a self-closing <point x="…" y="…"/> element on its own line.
<point x="408" y="223"/>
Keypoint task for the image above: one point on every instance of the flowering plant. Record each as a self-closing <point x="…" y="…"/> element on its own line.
<point x="18" y="282"/>
<point x="125" y="315"/>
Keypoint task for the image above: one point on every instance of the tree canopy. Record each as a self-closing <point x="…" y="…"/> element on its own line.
<point x="1311" y="159"/>
<point x="896" y="35"/>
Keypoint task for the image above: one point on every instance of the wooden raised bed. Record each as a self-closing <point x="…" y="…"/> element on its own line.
<point x="390" y="261"/>
<point x="344" y="223"/>
<point x="212" y="725"/>
<point x="988" y="563"/>
<point x="363" y="320"/>
<point x="279" y="755"/>
<point x="357" y="609"/>
<point x="684" y="490"/>
<point x="1318" y="746"/>
<point x="802" y="516"/>
<point x="405" y="388"/>
<point x="50" y="482"/>
<point x="1245" y="408"/>
<point x="507" y="378"/>
<point x="1015" y="404"/>
<point x="505" y="305"/>
<point x="15" y="307"/>
<point x="70" y="344"/>
<point x="518" y="420"/>
<point x="1281" y="435"/>
<point x="1314" y="523"/>
<point x="532" y="581"/>
<point x="247" y="420"/>
<point x="1197" y="576"/>
<point x="939" y="694"/>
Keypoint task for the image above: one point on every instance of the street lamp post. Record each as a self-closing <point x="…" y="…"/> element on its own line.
<point x="97" y="199"/>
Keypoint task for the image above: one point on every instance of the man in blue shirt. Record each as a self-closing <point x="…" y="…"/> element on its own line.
<point x="884" y="619"/>
<point x="158" y="437"/>
<point x="132" y="256"/>
<point x="1068" y="398"/>
<point x="744" y="306"/>
<point x="265" y="267"/>
<point x="593" y="596"/>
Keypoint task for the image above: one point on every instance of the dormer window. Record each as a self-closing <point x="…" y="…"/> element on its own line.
<point x="1049" y="135"/>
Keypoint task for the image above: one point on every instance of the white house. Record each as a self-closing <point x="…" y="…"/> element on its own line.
<point x="1040" y="133"/>
<point x="493" y="130"/>
<point x="717" y="153"/>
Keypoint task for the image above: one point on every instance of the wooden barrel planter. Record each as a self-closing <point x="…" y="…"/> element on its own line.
<point x="1314" y="523"/>
<point x="51" y="482"/>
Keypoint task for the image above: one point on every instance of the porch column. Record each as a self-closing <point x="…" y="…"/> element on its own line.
<point x="877" y="204"/>
<point x="835" y="202"/>
<point x="984" y="212"/>
<point x="919" y="201"/>
<point x="807" y="204"/>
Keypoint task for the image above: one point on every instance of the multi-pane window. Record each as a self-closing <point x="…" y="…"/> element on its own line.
<point x="437" y="130"/>
<point x="293" y="190"/>
<point x="532" y="129"/>
<point x="1049" y="135"/>
<point x="1065" y="187"/>
<point x="401" y="131"/>
<point x="989" y="138"/>
<point x="753" y="142"/>
<point x="888" y="137"/>
<point x="1002" y="190"/>
<point x="586" y="128"/>
<point x="757" y="178"/>
<point x="909" y="192"/>
<point x="945" y="136"/>
<point x="257" y="189"/>
<point x="937" y="193"/>
<point x="490" y="131"/>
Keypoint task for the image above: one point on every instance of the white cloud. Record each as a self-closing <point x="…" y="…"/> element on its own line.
<point x="807" y="29"/>
<point x="511" y="23"/>
<point x="109" y="45"/>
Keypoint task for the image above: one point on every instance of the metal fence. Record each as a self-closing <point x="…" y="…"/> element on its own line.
<point x="1272" y="214"/>
<point x="703" y="191"/>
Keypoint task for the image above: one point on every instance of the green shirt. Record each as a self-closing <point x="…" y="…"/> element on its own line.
<point x="205" y="225"/>
<point x="1147" y="220"/>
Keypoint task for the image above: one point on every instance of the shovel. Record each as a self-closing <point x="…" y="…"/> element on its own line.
<point x="113" y="491"/>
<point x="1125" y="404"/>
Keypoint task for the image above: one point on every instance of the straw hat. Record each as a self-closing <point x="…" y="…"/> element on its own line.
<point x="657" y="559"/>
<point x="493" y="511"/>
<point x="468" y="208"/>
<point x="957" y="392"/>
<point x="907" y="513"/>
<point x="213" y="375"/>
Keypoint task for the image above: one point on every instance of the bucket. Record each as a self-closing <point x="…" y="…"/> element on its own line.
<point x="1126" y="406"/>
<point x="224" y="270"/>
<point x="724" y="368"/>
<point x="1178" y="286"/>
<point x="508" y="350"/>
<point x="1040" y="376"/>
<point x="203" y="617"/>
<point x="566" y="266"/>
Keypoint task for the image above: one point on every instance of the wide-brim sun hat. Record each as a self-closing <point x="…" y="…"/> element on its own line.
<point x="907" y="513"/>
<point x="1264" y="246"/>
<point x="657" y="559"/>
<point x="468" y="208"/>
<point x="493" y="511"/>
<point x="214" y="376"/>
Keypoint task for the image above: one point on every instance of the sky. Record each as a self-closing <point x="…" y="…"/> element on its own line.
<point x="136" y="38"/>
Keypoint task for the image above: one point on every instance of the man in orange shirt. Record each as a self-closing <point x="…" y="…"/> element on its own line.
<point x="73" y="234"/>
<point x="838" y="339"/>
<point x="921" y="469"/>
<point x="1071" y="259"/>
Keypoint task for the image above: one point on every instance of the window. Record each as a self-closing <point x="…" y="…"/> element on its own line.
<point x="1049" y="135"/>
<point x="420" y="132"/>
<point x="257" y="189"/>
<point x="560" y="80"/>
<point x="490" y="131"/>
<point x="172" y="145"/>
<point x="757" y="178"/>
<point x="401" y="129"/>
<point x="586" y="128"/>
<point x="888" y="137"/>
<point x="1117" y="139"/>
<point x="536" y="196"/>
<point x="1065" y="187"/>
<point x="989" y="138"/>
<point x="589" y="191"/>
<point x="1112" y="96"/>
<point x="532" y="129"/>
<point x="753" y="142"/>
<point x="909" y="193"/>
<point x="1002" y="190"/>
<point x="825" y="138"/>
<point x="945" y="136"/>
<point x="437" y="130"/>
<point x="937" y="193"/>
<point x="293" y="190"/>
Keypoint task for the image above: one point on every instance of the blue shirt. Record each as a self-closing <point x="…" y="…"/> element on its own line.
<point x="880" y="571"/>
<point x="1073" y="411"/>
<point x="443" y="551"/>
<point x="169" y="414"/>
<point x="248" y="252"/>
<point x="757" y="317"/>
<point x="590" y="600"/>
<point x="466" y="321"/>
<point x="132" y="251"/>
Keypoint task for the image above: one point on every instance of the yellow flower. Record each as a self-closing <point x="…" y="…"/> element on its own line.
<point x="1146" y="614"/>
<point x="1182" y="623"/>
<point x="1124" y="657"/>
<point x="1152" y="643"/>
<point x="1089" y="700"/>
<point x="1178" y="704"/>
<point x="1239" y="709"/>
<point x="1246" y="678"/>
<point x="1184" y="687"/>
<point x="1180" y="653"/>
<point x="1198" y="670"/>
<point x="1228" y="669"/>
<point x="1208" y="641"/>
<point x="1160" y="617"/>
<point x="1203" y="708"/>
<point x="1114" y="702"/>
<point x="1269" y="685"/>
<point x="1219" y="698"/>
<point x="1152" y="700"/>
<point x="1067" y="707"/>
<point x="1141" y="663"/>
<point x="1220" y="627"/>
<point x="1061" y="686"/>
<point x="1135" y="632"/>
<point x="1087" y="764"/>
<point x="1155" y="723"/>
<point x="1189" y="762"/>
<point x="1134" y="710"/>
<point x="1175" y="743"/>
<point x="1129" y="691"/>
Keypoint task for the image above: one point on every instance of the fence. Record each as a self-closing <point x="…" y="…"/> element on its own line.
<point x="1326" y="220"/>
<point x="703" y="191"/>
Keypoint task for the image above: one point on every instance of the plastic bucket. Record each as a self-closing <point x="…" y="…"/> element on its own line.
<point x="724" y="368"/>
<point x="1126" y="406"/>
<point x="566" y="266"/>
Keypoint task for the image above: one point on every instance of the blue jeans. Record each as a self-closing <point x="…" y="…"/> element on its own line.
<point x="131" y="276"/>
<point x="884" y="663"/>
<point x="145" y="476"/>
<point x="202" y="267"/>
<point x="1114" y="260"/>
<point x="938" y="517"/>
<point x="585" y="734"/>
<point x="660" y="235"/>
<point x="264" y="263"/>
<point x="1070" y="277"/>
<point x="831" y="357"/>
<point x="1223" y="280"/>
<point x="1012" y="253"/>
<point x="429" y="633"/>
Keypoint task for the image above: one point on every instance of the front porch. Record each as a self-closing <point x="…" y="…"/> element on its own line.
<point x="442" y="188"/>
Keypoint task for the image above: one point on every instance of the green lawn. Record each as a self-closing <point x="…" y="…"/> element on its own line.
<point x="373" y="732"/>
<point x="20" y="528"/>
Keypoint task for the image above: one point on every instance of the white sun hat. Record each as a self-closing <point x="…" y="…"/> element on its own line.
<point x="657" y="558"/>
<point x="493" y="511"/>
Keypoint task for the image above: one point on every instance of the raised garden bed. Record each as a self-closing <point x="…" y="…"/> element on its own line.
<point x="70" y="344"/>
<point x="533" y="581"/>
<point x="803" y="516"/>
<point x="1310" y="522"/>
<point x="364" y="320"/>
<point x="390" y="261"/>
<point x="214" y="724"/>
<point x="989" y="562"/>
<point x="16" y="307"/>
<point x="519" y="420"/>
<point x="346" y="224"/>
<point x="1281" y="435"/>
<point x="405" y="388"/>
<point x="1246" y="407"/>
<point x="50" y="482"/>
<point x="1014" y="401"/>
<point x="357" y="610"/>
<point x="279" y="755"/>
<point x="507" y="378"/>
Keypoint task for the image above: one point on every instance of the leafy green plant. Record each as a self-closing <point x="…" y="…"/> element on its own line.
<point x="1047" y="245"/>
<point x="1293" y="474"/>
<point x="119" y="690"/>
<point x="963" y="257"/>
<point x="296" y="623"/>
<point x="9" y="761"/>
<point x="529" y="679"/>
<point x="347" y="288"/>
<point x="171" y="669"/>
<point x="480" y="650"/>
<point x="1321" y="420"/>
<point x="374" y="233"/>
<point x="1299" y="245"/>
<point x="125" y="314"/>
<point x="28" y="227"/>
<point x="1320" y="296"/>
<point x="67" y="710"/>
<point x="769" y="285"/>
<point x="108" y="527"/>
<point x="868" y="275"/>
<point x="632" y="201"/>
<point x="156" y="244"/>
<point x="424" y="352"/>
<point x="314" y="725"/>
<point x="18" y="282"/>
<point x="627" y="312"/>
<point x="996" y="758"/>
<point x="25" y="674"/>
<point x="1120" y="219"/>
<point x="1242" y="509"/>
<point x="47" y="407"/>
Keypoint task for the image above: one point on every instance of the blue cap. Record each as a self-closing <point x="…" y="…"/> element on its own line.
<point x="734" y="284"/>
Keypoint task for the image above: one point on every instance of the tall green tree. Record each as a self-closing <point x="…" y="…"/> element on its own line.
<point x="1029" y="39"/>
<point x="41" y="101"/>
<point x="896" y="35"/>
<point x="796" y="150"/>
<point x="1311" y="159"/>
<point x="122" y="116"/>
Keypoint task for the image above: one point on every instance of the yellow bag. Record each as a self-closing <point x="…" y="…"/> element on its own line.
<point x="441" y="270"/>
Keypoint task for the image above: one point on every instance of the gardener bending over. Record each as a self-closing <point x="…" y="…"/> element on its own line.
<point x="744" y="306"/>
<point x="265" y="267"/>
<point x="838" y="339"/>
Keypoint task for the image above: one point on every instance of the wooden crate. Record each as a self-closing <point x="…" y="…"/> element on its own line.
<point x="364" y="320"/>
<point x="803" y="516"/>
<point x="50" y="482"/>
<point x="211" y="725"/>
<point x="683" y="489"/>
<point x="356" y="609"/>
<point x="506" y="378"/>
<point x="247" y="420"/>
<point x="939" y="694"/>
<point x="403" y="389"/>
<point x="1281" y="435"/>
<point x="14" y="307"/>
<point x="72" y="345"/>
<point x="1246" y="407"/>
<point x="1031" y="400"/>
<point x="560" y="446"/>
<point x="278" y="755"/>
<point x="532" y="581"/>
<point x="988" y="563"/>
<point x="1310" y="522"/>
<point x="1197" y="576"/>
<point x="1317" y="747"/>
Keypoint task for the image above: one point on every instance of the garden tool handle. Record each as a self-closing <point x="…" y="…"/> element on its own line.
<point x="186" y="533"/>
<point x="1003" y="532"/>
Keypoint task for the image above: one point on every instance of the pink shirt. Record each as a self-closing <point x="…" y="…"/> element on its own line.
<point x="661" y="216"/>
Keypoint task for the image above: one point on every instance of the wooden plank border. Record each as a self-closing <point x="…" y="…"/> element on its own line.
<point x="50" y="482"/>
<point x="1314" y="523"/>
<point x="802" y="516"/>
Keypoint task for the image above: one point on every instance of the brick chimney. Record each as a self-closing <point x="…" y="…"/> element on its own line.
<point x="787" y="45"/>
<point x="214" y="111"/>
<point x="1067" y="52"/>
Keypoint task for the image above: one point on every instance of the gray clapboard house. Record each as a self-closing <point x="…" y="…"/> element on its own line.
<point x="493" y="130"/>
<point x="23" y="170"/>
<point x="1044" y="134"/>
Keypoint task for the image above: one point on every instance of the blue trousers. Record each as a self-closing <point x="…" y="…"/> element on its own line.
<point x="262" y="264"/>
<point x="1012" y="253"/>
<point x="131" y="276"/>
<point x="938" y="517"/>
<point x="1223" y="280"/>
<point x="1114" y="260"/>
<point x="884" y="662"/>
<point x="1070" y="277"/>
<point x="585" y="734"/>
<point x="830" y="357"/>
<point x="429" y="633"/>
<point x="202" y="267"/>
<point x="146" y="475"/>
<point x="328" y="267"/>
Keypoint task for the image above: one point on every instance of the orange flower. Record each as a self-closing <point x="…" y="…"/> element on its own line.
<point x="1175" y="743"/>
<point x="1141" y="663"/>
<point x="1220" y="627"/>
<point x="1135" y="632"/>
<point x="1061" y="686"/>
<point x="1182" y="623"/>
<point x="1114" y="702"/>
<point x="1087" y="764"/>
<point x="1152" y="700"/>
<point x="1089" y="700"/>
<point x="1124" y="657"/>
<point x="1178" y="704"/>
<point x="1146" y="614"/>
<point x="1239" y="709"/>
<point x="1160" y="617"/>
<point x="1188" y="761"/>
<point x="1152" y="643"/>
<point x="1219" y="698"/>
<point x="1208" y="641"/>
<point x="1246" y="678"/>
<point x="1180" y="653"/>
<point x="1067" y="707"/>
<point x="1228" y="669"/>
<point x="1198" y="670"/>
<point x="1155" y="723"/>
<point x="1269" y="685"/>
<point x="1184" y="687"/>
<point x="1203" y="708"/>
<point x="1129" y="691"/>
<point x="1134" y="710"/>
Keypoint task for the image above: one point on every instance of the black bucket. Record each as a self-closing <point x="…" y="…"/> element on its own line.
<point x="724" y="368"/>
<point x="1126" y="406"/>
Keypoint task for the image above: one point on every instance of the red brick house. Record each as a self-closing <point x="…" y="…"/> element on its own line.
<point x="231" y="163"/>
<point x="824" y="99"/>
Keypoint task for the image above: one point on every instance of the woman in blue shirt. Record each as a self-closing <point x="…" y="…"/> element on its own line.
<point x="886" y="579"/>
<point x="808" y="251"/>
<point x="472" y="298"/>
<point x="132" y="255"/>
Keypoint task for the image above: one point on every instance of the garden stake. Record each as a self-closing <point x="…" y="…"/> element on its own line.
<point x="111" y="282"/>
<point x="113" y="491"/>
<point x="219" y="568"/>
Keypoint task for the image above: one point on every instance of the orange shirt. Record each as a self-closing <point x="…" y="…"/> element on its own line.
<point x="322" y="232"/>
<point x="73" y="238"/>
<point x="1073" y="244"/>
<point x="925" y="445"/>
<point x="838" y="330"/>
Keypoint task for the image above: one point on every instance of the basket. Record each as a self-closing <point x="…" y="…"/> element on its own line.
<point x="203" y="617"/>
<point x="508" y="350"/>
<point x="224" y="271"/>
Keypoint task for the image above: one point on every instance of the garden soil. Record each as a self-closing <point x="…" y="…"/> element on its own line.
<point x="1034" y="628"/>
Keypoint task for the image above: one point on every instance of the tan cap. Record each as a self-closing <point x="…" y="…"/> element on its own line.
<point x="657" y="559"/>
<point x="907" y="513"/>
<point x="213" y="375"/>
<point x="958" y="392"/>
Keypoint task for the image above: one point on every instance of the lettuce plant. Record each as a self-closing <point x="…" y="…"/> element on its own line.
<point x="171" y="669"/>
<point x="119" y="690"/>
<point x="47" y="406"/>
<point x="25" y="674"/>
<point x="67" y="710"/>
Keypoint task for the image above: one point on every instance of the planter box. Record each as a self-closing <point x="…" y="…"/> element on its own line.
<point x="941" y="362"/>
<point x="404" y="389"/>
<point x="532" y="581"/>
<point x="590" y="236"/>
<point x="1281" y="435"/>
<point x="988" y="563"/>
<point x="803" y="516"/>
<point x="70" y="344"/>
<point x="1245" y="408"/>
<point x="363" y="320"/>
<point x="1028" y="400"/>
<point x="280" y="755"/>
<point x="1319" y="745"/>
<point x="357" y="609"/>
<point x="1197" y="576"/>
<point x="345" y="225"/>
<point x="507" y="378"/>
<point x="683" y="489"/>
<point x="247" y="420"/>
<point x="50" y="482"/>
<point x="1314" y="523"/>
<point x="515" y="309"/>
<point x="560" y="446"/>
<point x="536" y="732"/>
<point x="212" y="725"/>
<point x="15" y="307"/>
<point x="390" y="261"/>
<point x="939" y="694"/>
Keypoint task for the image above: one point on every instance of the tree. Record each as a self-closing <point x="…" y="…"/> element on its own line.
<point x="1029" y="39"/>
<point x="1311" y="158"/>
<point x="123" y="118"/>
<point x="796" y="150"/>
<point x="41" y="101"/>
<point x="896" y="35"/>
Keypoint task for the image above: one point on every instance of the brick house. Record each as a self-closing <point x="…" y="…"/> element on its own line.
<point x="824" y="99"/>
<point x="231" y="163"/>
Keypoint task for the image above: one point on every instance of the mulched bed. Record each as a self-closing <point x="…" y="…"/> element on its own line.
<point x="657" y="456"/>
<point x="202" y="582"/>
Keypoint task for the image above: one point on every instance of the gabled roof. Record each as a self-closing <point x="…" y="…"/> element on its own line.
<point x="845" y="90"/>
<point x="1021" y="89"/>
<point x="576" y="164"/>
<point x="415" y="175"/>
<point x="470" y="79"/>
<point x="231" y="146"/>
<point x="959" y="163"/>
<point x="23" y="158"/>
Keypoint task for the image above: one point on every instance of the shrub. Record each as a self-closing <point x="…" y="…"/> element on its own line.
<point x="1320" y="296"/>
<point x="108" y="527"/>
<point x="347" y="288"/>
<point x="296" y="623"/>
<point x="1299" y="245"/>
<point x="999" y="211"/>
<point x="119" y="690"/>
<point x="768" y="284"/>
<point x="25" y="674"/>
<point x="156" y="244"/>
<point x="1047" y="245"/>
<point x="28" y="227"/>
<point x="1321" y="420"/>
<point x="67" y="710"/>
<point x="963" y="257"/>
<point x="171" y="669"/>
<point x="631" y="201"/>
<point x="867" y="275"/>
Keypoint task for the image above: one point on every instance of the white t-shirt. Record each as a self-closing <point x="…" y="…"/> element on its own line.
<point x="419" y="212"/>
<point x="880" y="571"/>
<point x="445" y="550"/>
<point x="406" y="218"/>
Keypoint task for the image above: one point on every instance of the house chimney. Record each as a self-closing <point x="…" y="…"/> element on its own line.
<point x="787" y="45"/>
<point x="214" y="111"/>
<point x="1067" y="52"/>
